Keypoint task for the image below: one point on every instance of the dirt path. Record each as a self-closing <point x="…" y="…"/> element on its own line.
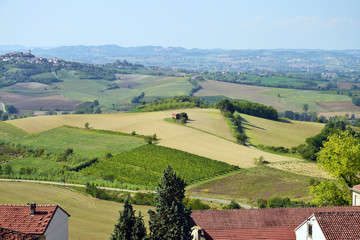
<point x="114" y="189"/>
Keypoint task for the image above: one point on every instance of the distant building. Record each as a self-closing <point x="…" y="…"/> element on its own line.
<point x="175" y="116"/>
<point x="44" y="222"/>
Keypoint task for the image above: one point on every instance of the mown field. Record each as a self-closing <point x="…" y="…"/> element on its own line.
<point x="250" y="184"/>
<point x="275" y="133"/>
<point x="90" y="218"/>
<point x="290" y="99"/>
<point x="170" y="135"/>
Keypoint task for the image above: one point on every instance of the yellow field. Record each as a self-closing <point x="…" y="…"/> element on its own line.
<point x="171" y="135"/>
<point x="90" y="218"/>
<point x="274" y="133"/>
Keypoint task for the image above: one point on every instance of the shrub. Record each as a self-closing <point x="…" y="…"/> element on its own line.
<point x="260" y="161"/>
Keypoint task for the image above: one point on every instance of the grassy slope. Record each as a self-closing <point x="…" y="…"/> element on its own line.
<point x="91" y="218"/>
<point x="171" y="135"/>
<point x="89" y="90"/>
<point x="275" y="133"/>
<point x="250" y="184"/>
<point x="83" y="142"/>
<point x="291" y="99"/>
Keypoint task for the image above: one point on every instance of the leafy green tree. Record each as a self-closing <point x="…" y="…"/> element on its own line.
<point x="225" y="105"/>
<point x="171" y="219"/>
<point x="329" y="193"/>
<point x="128" y="226"/>
<point x="340" y="157"/>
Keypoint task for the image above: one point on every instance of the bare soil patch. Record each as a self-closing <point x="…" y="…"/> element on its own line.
<point x="339" y="106"/>
<point x="332" y="114"/>
<point x="347" y="85"/>
<point x="34" y="86"/>
<point x="48" y="101"/>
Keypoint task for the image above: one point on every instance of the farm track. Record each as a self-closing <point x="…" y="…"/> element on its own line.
<point x="116" y="189"/>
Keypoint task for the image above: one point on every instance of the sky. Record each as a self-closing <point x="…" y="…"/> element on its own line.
<point x="205" y="24"/>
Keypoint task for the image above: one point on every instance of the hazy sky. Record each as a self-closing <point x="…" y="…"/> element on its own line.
<point x="228" y="24"/>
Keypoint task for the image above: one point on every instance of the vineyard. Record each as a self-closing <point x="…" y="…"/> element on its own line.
<point x="144" y="166"/>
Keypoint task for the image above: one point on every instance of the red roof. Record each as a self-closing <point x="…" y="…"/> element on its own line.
<point x="339" y="225"/>
<point x="19" y="218"/>
<point x="271" y="223"/>
<point x="6" y="234"/>
<point x="357" y="187"/>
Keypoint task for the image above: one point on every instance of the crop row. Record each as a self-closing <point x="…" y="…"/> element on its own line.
<point x="144" y="166"/>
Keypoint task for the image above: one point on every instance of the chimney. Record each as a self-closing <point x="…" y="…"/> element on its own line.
<point x="32" y="208"/>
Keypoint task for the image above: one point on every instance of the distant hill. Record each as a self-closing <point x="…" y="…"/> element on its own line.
<point x="207" y="59"/>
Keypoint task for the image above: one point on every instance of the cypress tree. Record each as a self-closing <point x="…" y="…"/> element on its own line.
<point x="129" y="227"/>
<point x="171" y="219"/>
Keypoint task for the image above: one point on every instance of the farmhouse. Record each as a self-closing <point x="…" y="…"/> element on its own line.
<point x="45" y="222"/>
<point x="175" y="116"/>
<point x="273" y="223"/>
<point x="330" y="225"/>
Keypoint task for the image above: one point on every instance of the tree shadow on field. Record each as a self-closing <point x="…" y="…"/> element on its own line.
<point x="285" y="121"/>
<point x="246" y="123"/>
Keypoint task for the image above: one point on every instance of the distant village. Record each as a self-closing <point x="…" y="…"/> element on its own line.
<point x="30" y="58"/>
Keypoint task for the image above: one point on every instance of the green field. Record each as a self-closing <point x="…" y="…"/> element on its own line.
<point x="277" y="133"/>
<point x="290" y="99"/>
<point x="88" y="90"/>
<point x="250" y="184"/>
<point x="40" y="164"/>
<point x="90" y="218"/>
<point x="86" y="143"/>
<point x="296" y="98"/>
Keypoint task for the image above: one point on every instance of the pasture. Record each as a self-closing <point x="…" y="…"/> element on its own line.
<point x="170" y="135"/>
<point x="90" y="218"/>
<point x="290" y="99"/>
<point x="275" y="133"/>
<point x="86" y="143"/>
<point x="250" y="184"/>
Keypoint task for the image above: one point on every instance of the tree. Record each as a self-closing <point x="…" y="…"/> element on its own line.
<point x="96" y="103"/>
<point x="87" y="125"/>
<point x="171" y="219"/>
<point x="128" y="226"/>
<point x="305" y="107"/>
<point x="329" y="193"/>
<point x="225" y="105"/>
<point x="11" y="109"/>
<point x="340" y="157"/>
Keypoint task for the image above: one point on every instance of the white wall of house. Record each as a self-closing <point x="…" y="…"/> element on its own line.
<point x="303" y="234"/>
<point x="355" y="198"/>
<point x="58" y="228"/>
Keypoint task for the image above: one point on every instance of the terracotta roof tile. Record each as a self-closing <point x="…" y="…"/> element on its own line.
<point x="339" y="225"/>
<point x="7" y="234"/>
<point x="18" y="218"/>
<point x="357" y="187"/>
<point x="273" y="222"/>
